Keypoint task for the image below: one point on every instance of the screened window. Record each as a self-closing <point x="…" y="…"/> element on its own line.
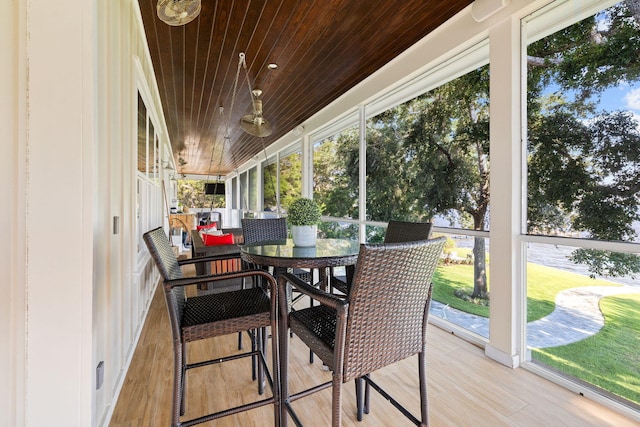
<point x="335" y="173"/>
<point x="270" y="185"/>
<point x="428" y="158"/>
<point x="148" y="194"/>
<point x="583" y="169"/>
<point x="234" y="193"/>
<point x="290" y="177"/>
<point x="244" y="191"/>
<point x="253" y="189"/>
<point x="142" y="135"/>
<point x="152" y="150"/>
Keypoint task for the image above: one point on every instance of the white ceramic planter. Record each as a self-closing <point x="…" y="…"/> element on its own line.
<point x="304" y="236"/>
<point x="304" y="252"/>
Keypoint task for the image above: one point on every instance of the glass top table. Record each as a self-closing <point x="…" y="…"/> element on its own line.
<point x="282" y="253"/>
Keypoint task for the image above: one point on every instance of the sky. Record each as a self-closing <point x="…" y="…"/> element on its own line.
<point x="623" y="97"/>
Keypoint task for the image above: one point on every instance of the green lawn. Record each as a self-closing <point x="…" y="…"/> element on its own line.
<point x="544" y="285"/>
<point x="610" y="359"/>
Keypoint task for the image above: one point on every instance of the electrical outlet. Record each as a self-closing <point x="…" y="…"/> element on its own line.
<point x="99" y="375"/>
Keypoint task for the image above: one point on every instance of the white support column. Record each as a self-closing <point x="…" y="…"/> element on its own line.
<point x="307" y="166"/>
<point x="506" y="170"/>
<point x="13" y="151"/>
<point x="362" y="199"/>
<point x="59" y="46"/>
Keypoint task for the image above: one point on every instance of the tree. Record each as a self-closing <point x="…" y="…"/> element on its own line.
<point x="389" y="168"/>
<point x="449" y="146"/>
<point x="334" y="186"/>
<point x="584" y="163"/>
<point x="425" y="157"/>
<point x="430" y="156"/>
<point x="191" y="194"/>
<point x="290" y="178"/>
<point x="269" y="173"/>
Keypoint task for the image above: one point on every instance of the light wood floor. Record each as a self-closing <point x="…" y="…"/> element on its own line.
<point x="465" y="388"/>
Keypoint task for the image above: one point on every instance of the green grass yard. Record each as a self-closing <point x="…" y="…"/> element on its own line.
<point x="610" y="359"/>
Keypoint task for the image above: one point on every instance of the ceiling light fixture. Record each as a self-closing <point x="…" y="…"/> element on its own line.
<point x="178" y="12"/>
<point x="272" y="66"/>
<point x="254" y="124"/>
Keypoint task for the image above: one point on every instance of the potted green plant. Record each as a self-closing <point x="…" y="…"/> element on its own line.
<point x="304" y="215"/>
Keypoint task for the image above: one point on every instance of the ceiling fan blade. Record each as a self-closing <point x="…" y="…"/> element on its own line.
<point x="256" y="125"/>
<point x="178" y="12"/>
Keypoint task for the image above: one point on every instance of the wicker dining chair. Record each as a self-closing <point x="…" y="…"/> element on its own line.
<point x="264" y="230"/>
<point x="404" y="231"/>
<point x="260" y="230"/>
<point x="269" y="230"/>
<point x="212" y="315"/>
<point x="397" y="232"/>
<point x="383" y="320"/>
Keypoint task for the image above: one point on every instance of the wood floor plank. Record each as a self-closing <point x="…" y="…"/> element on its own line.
<point x="465" y="387"/>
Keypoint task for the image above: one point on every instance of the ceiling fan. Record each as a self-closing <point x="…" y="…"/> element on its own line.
<point x="178" y="12"/>
<point x="254" y="124"/>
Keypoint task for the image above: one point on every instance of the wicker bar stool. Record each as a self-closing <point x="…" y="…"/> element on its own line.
<point x="382" y="320"/>
<point x="397" y="232"/>
<point x="258" y="230"/>
<point x="269" y="230"/>
<point x="212" y="315"/>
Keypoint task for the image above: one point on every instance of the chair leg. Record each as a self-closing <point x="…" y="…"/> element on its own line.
<point x="242" y="286"/>
<point x="311" y="305"/>
<point x="424" y="403"/>
<point x="261" y="348"/>
<point x="275" y="368"/>
<point x="336" y="416"/>
<point x="183" y="376"/>
<point x="367" y="394"/>
<point x="178" y="385"/>
<point x="283" y="342"/>
<point x="254" y="359"/>
<point x="359" y="397"/>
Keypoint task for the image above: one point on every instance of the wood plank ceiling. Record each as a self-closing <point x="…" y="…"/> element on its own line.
<point x="322" y="49"/>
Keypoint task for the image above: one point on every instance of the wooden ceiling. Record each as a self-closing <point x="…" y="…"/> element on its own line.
<point x="322" y="49"/>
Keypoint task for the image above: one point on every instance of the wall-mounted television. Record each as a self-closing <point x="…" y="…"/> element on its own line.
<point x="214" y="188"/>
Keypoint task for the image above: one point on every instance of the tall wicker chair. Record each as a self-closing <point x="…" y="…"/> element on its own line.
<point x="402" y="231"/>
<point x="383" y="320"/>
<point x="397" y="232"/>
<point x="272" y="230"/>
<point x="263" y="230"/>
<point x="211" y="315"/>
<point x="269" y="230"/>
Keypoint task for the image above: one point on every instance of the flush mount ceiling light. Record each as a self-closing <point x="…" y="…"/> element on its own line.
<point x="178" y="12"/>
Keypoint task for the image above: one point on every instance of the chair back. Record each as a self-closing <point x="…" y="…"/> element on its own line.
<point x="165" y="259"/>
<point x="389" y="304"/>
<point x="162" y="254"/>
<point x="401" y="231"/>
<point x="263" y="230"/>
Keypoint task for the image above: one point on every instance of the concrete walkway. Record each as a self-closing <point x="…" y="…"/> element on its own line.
<point x="577" y="316"/>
